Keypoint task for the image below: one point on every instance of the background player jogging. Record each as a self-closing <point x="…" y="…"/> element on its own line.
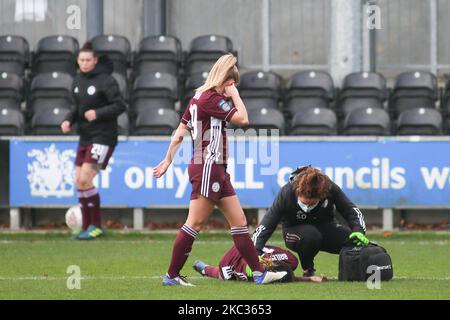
<point x="205" y="117"/>
<point x="98" y="104"/>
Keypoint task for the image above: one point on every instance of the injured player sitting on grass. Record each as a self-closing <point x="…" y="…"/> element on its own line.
<point x="232" y="266"/>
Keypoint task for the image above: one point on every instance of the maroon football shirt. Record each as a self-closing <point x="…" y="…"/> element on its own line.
<point x="233" y="266"/>
<point x="206" y="115"/>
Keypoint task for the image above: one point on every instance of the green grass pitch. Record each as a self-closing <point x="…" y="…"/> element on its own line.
<point x="131" y="265"/>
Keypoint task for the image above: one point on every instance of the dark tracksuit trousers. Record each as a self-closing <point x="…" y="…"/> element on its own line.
<point x="308" y="239"/>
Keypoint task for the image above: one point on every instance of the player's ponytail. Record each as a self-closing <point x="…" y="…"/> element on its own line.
<point x="88" y="47"/>
<point x="223" y="70"/>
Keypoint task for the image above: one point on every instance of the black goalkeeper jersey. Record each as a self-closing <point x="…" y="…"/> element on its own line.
<point x="285" y="209"/>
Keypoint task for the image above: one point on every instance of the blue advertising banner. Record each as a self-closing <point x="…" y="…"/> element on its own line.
<point x="385" y="173"/>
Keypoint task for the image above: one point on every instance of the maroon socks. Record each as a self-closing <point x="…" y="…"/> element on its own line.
<point x="90" y="207"/>
<point x="246" y="248"/>
<point x="181" y="249"/>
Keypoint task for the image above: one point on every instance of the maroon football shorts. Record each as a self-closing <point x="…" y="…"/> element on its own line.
<point x="210" y="180"/>
<point x="94" y="153"/>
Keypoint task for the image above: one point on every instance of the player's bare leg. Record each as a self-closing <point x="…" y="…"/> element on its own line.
<point x="232" y="210"/>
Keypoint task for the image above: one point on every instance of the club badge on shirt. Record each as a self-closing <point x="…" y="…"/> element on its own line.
<point x="224" y="105"/>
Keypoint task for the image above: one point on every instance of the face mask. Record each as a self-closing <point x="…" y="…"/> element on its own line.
<point x="305" y="207"/>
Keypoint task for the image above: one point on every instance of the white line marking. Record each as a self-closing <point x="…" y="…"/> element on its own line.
<point x="52" y="278"/>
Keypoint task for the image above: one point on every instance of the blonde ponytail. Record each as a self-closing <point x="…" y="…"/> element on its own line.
<point x="223" y="70"/>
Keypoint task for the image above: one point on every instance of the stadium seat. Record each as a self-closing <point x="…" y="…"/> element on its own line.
<point x="308" y="89"/>
<point x="351" y="104"/>
<point x="314" y="121"/>
<point x="123" y="84"/>
<point x="367" y="121"/>
<point x="419" y="121"/>
<point x="123" y="123"/>
<point x="56" y="53"/>
<point x="11" y="90"/>
<point x="14" y="54"/>
<point x="48" y="122"/>
<point x="260" y="89"/>
<point x="260" y="84"/>
<point x="205" y="50"/>
<point x="150" y="91"/>
<point x="156" y="122"/>
<point x="445" y="102"/>
<point x="192" y="82"/>
<point x="260" y="103"/>
<point x="50" y="88"/>
<point x="158" y="54"/>
<point x="143" y="104"/>
<point x="266" y="119"/>
<point x="11" y="122"/>
<point x="361" y="90"/>
<point x="38" y="105"/>
<point x="413" y="90"/>
<point x="117" y="48"/>
<point x="156" y="85"/>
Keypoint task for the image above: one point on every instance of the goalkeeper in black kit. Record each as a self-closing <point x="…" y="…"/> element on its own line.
<point x="306" y="206"/>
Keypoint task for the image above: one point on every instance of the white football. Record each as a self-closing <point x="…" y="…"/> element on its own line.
<point x="74" y="218"/>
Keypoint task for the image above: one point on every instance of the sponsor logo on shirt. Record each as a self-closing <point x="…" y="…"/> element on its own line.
<point x="224" y="105"/>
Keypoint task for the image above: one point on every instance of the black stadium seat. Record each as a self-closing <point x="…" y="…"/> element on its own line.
<point x="260" y="89"/>
<point x="260" y="103"/>
<point x="156" y="85"/>
<point x="37" y="105"/>
<point x="11" y="122"/>
<point x="204" y="52"/>
<point x="367" y="121"/>
<point x="56" y="53"/>
<point x="143" y="104"/>
<point x="308" y="89"/>
<point x="50" y="90"/>
<point x="14" y="54"/>
<point x="11" y="90"/>
<point x="158" y="54"/>
<point x="260" y="84"/>
<point x="51" y="84"/>
<point x="154" y="91"/>
<point x="156" y="122"/>
<point x="48" y="122"/>
<point x="362" y="90"/>
<point x="117" y="48"/>
<point x="192" y="82"/>
<point x="123" y="124"/>
<point x="445" y="104"/>
<point x="413" y="90"/>
<point x="122" y="83"/>
<point x="314" y="121"/>
<point x="266" y="119"/>
<point x="419" y="121"/>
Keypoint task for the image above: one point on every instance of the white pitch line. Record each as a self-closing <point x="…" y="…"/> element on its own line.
<point x="51" y="278"/>
<point x="202" y="242"/>
<point x="44" y="278"/>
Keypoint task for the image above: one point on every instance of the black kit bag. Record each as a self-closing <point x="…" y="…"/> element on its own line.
<point x="354" y="261"/>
